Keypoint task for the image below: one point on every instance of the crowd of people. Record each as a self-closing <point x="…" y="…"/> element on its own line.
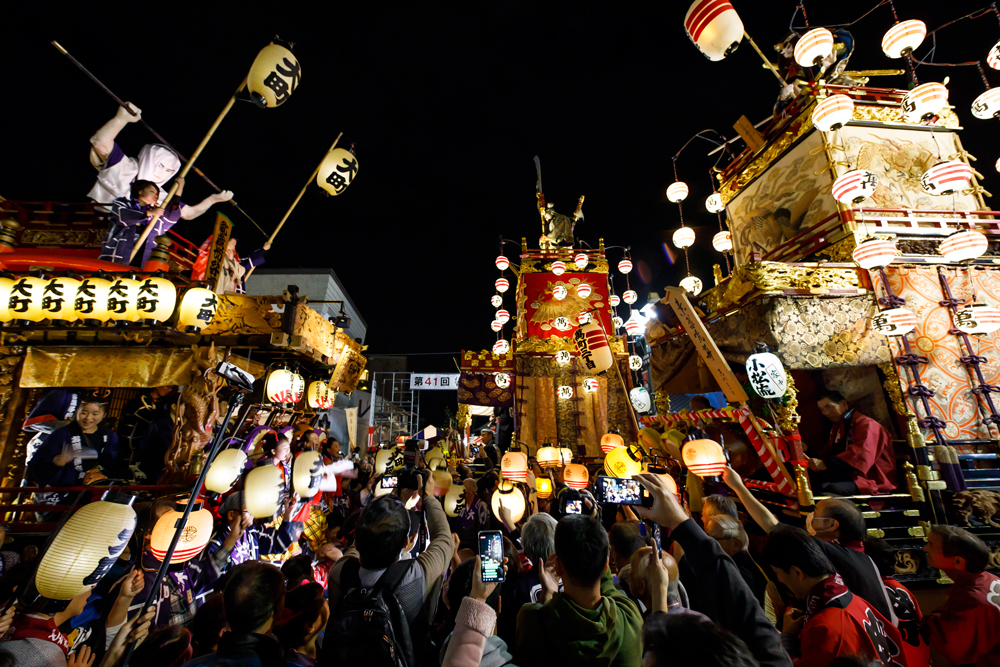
<point x="376" y="575"/>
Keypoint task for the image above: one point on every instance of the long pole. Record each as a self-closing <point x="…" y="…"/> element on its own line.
<point x="141" y="241"/>
<point x="296" y="202"/>
<point x="767" y="63"/>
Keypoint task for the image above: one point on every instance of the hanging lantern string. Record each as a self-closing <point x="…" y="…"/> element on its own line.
<point x="805" y="17"/>
<point x="895" y="16"/>
<point x="792" y="27"/>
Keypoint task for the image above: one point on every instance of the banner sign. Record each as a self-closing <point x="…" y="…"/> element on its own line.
<point x="447" y="381"/>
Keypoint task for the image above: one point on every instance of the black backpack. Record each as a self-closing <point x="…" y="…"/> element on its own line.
<point x="368" y="626"/>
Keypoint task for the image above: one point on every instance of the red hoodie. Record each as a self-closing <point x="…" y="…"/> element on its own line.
<point x="966" y="630"/>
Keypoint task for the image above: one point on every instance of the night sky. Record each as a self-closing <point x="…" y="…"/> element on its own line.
<point x="446" y="107"/>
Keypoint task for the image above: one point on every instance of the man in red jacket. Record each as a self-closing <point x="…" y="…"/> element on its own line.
<point x="861" y="460"/>
<point x="966" y="630"/>
<point x="832" y="622"/>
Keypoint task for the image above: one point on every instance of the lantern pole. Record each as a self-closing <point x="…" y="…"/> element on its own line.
<point x="296" y="202"/>
<point x="141" y="241"/>
<point x="767" y="63"/>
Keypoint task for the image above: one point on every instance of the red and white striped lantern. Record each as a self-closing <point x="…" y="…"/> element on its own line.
<point x="591" y="385"/>
<point x="503" y="316"/>
<point x="558" y="268"/>
<point x="559" y="292"/>
<point x="496" y="325"/>
<point x="593" y="347"/>
<point x="977" y="318"/>
<point x="684" y="237"/>
<point x="692" y="284"/>
<point x="583" y="290"/>
<point x="502" y="285"/>
<point x="502" y="262"/>
<point x="614" y="300"/>
<point x="960" y="246"/>
<point x="894" y="322"/>
<point x="714" y="27"/>
<point x="874" y="253"/>
<point x="813" y="47"/>
<point x="514" y="466"/>
<point x="584" y="317"/>
<point x="993" y="57"/>
<point x="633" y="327"/>
<point x="630" y="297"/>
<point x="625" y="266"/>
<point x="581" y="261"/>
<point x="855" y="186"/>
<point x="923" y="102"/>
<point x="947" y="177"/>
<point x="496" y="301"/>
<point x="903" y="37"/>
<point x="987" y="105"/>
<point x="833" y="113"/>
<point x="704" y="457"/>
<point x="723" y="241"/>
<point x="501" y="347"/>
<point x="713" y="203"/>
<point x="677" y="191"/>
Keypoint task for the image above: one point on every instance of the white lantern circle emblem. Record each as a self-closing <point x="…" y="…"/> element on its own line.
<point x="640" y="399"/>
<point x="563" y="357"/>
<point x="559" y="292"/>
<point x="723" y="241"/>
<point x="874" y="253"/>
<point x="502" y="262"/>
<point x="635" y="362"/>
<point x="813" y="47"/>
<point x="583" y="317"/>
<point x="833" y="113"/>
<point x="614" y="300"/>
<point x="993" y="57"/>
<point x="946" y="177"/>
<point x="496" y="300"/>
<point x="558" y="268"/>
<point x="987" y="105"/>
<point x="692" y="284"/>
<point x="684" y="237"/>
<point x="591" y="385"/>
<point x="502" y="285"/>
<point x="618" y="322"/>
<point x="625" y="266"/>
<point x="501" y="347"/>
<point x="960" y="246"/>
<point x="924" y="101"/>
<point x="977" y="318"/>
<point x="713" y="203"/>
<point x="902" y="38"/>
<point x="855" y="186"/>
<point x="630" y="297"/>
<point x="894" y="322"/>
<point x="583" y="290"/>
<point x="714" y="27"/>
<point x="496" y="325"/>
<point x="502" y="380"/>
<point x="581" y="261"/>
<point x="562" y="323"/>
<point x="766" y="375"/>
<point x="564" y="392"/>
<point x="677" y="191"/>
<point x="503" y="316"/>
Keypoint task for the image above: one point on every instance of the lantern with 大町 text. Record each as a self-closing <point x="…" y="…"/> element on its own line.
<point x="122" y="298"/>
<point x="25" y="301"/>
<point x="766" y="375"/>
<point x="274" y="76"/>
<point x="454" y="500"/>
<point x="58" y="297"/>
<point x="894" y="322"/>
<point x="514" y="465"/>
<point x="592" y="344"/>
<point x="714" y="27"/>
<point x="263" y="491"/>
<point x="155" y="299"/>
<point x="510" y="498"/>
<point x="197" y="309"/>
<point x="5" y="285"/>
<point x="91" y="303"/>
<point x="338" y="170"/>
<point x="977" y="318"/>
<point x="307" y="473"/>
<point x="576" y="476"/>
<point x="623" y="461"/>
<point x="225" y="470"/>
<point x="195" y="534"/>
<point x="704" y="457"/>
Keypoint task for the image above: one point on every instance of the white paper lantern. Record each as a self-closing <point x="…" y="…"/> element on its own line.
<point x="338" y="170"/>
<point x="833" y="113"/>
<point x="156" y="299"/>
<point x="996" y="165"/>
<point x="924" y="101"/>
<point x="511" y="498"/>
<point x="197" y="309"/>
<point x="987" y="105"/>
<point x="307" y="473"/>
<point x="713" y="203"/>
<point x="633" y="326"/>
<point x="501" y="380"/>
<point x="581" y="261"/>
<point x="565" y="392"/>
<point x="723" y="241"/>
<point x="501" y="347"/>
<point x="263" y="490"/>
<point x="563" y="357"/>
<point x="58" y="296"/>
<point x="195" y="533"/>
<point x="684" y="237"/>
<point x="960" y="246"/>
<point x="583" y="290"/>
<point x="903" y="37"/>
<point x="625" y="266"/>
<point x="122" y="297"/>
<point x="503" y="316"/>
<point x="614" y="300"/>
<point x="813" y="47"/>
<point x="454" y="500"/>
<point x="977" y="318"/>
<point x="630" y="297"/>
<point x="677" y="191"/>
<point x="618" y="322"/>
<point x="514" y="466"/>
<point x="496" y="300"/>
<point x="225" y="470"/>
<point x="558" y="268"/>
<point x="583" y="317"/>
<point x="496" y="325"/>
<point x="855" y="186"/>
<point x="91" y="299"/>
<point x="591" y="385"/>
<point x="274" y="76"/>
<point x="502" y="285"/>
<point x="874" y="253"/>
<point x="635" y="362"/>
<point x="894" y="322"/>
<point x="502" y="262"/>
<point x="559" y="292"/>
<point x="640" y="399"/>
<point x="714" y="27"/>
<point x="767" y="375"/>
<point x="946" y="177"/>
<point x="389" y="460"/>
<point x="993" y="57"/>
<point x="278" y="386"/>
<point x="692" y="284"/>
<point x="592" y="344"/>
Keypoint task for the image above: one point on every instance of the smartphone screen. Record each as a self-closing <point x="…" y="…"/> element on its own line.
<point x="620" y="491"/>
<point x="389" y="482"/>
<point x="491" y="555"/>
<point x="574" y="507"/>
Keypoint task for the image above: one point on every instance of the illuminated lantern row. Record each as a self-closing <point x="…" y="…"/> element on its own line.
<point x="496" y="300"/>
<point x="987" y="105"/>
<point x="640" y="399"/>
<point x="501" y="347"/>
<point x="558" y="268"/>
<point x="195" y="534"/>
<point x="833" y="113"/>
<point x="902" y="38"/>
<point x="583" y="290"/>
<point x="713" y="203"/>
<point x="581" y="261"/>
<point x="501" y="380"/>
<point x="723" y="241"/>
<point x="591" y="385"/>
<point x="977" y="318"/>
<point x="635" y="362"/>
<point x="630" y="297"/>
<point x="684" y="237"/>
<point x="503" y="316"/>
<point x="510" y="497"/>
<point x="946" y="178"/>
<point x="813" y="47"/>
<point x="502" y="285"/>
<point x="960" y="246"/>
<point x="894" y="322"/>
<point x="704" y="457"/>
<point x="611" y="440"/>
<point x="614" y="299"/>
<point x="625" y="266"/>
<point x="514" y="465"/>
<point x="714" y="27"/>
<point x="692" y="284"/>
<point x="677" y="191"/>
<point x="766" y="375"/>
<point x="576" y="476"/>
<point x="502" y="263"/>
<point x="338" y="170"/>
<point x="263" y="491"/>
<point x="560" y="292"/>
<point x="874" y="253"/>
<point x="993" y="57"/>
<point x="319" y="395"/>
<point x="543" y="487"/>
<point x="855" y="186"/>
<point x="623" y="461"/>
<point x="225" y="470"/>
<point x="274" y="76"/>
<point x="924" y="102"/>
<point x="496" y="325"/>
<point x="583" y="317"/>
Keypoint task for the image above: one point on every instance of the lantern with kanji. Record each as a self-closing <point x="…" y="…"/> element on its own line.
<point x="5" y="285"/>
<point x="583" y="317"/>
<point x="510" y="498"/>
<point x="57" y="299"/>
<point x="684" y="237"/>
<point x="496" y="300"/>
<point x="576" y="476"/>
<point x="298" y="388"/>
<point x="543" y="487"/>
<point x="195" y="534"/>
<point x="623" y="461"/>
<point x="318" y="395"/>
<point x="501" y="380"/>
<point x="122" y="298"/>
<point x="547" y="456"/>
<point x="963" y="245"/>
<point x="611" y="440"/>
<point x="713" y="203"/>
<point x="563" y="356"/>
<point x="263" y="491"/>
<point x="635" y="362"/>
<point x="25" y="301"/>
<point x="894" y="322"/>
<point x="704" y="457"/>
<point x="813" y="47"/>
<point x="155" y="299"/>
<point x="592" y="344"/>
<point x="274" y="76"/>
<point x="677" y="191"/>
<point x="625" y="265"/>
<point x="833" y="113"/>
<point x="454" y="500"/>
<point x="618" y="322"/>
<point x="874" y="253"/>
<point x="225" y="470"/>
<point x="565" y="455"/>
<point x="583" y="290"/>
<point x="640" y="399"/>
<point x="692" y="284"/>
<point x="714" y="27"/>
<point x="855" y="186"/>
<point x="91" y="302"/>
<point x="389" y="460"/>
<point x="559" y="292"/>
<point x="307" y="473"/>
<point x="977" y="318"/>
<point x="502" y="284"/>
<point x="503" y="316"/>
<point x="923" y="102"/>
<point x="564" y="391"/>
<point x="581" y="260"/>
<point x="946" y="177"/>
<point x="562" y="323"/>
<point x="337" y="171"/>
<point x="501" y="347"/>
<point x="723" y="241"/>
<point x="614" y="300"/>
<point x="993" y="57"/>
<point x="197" y="309"/>
<point x="558" y="268"/>
<point x="987" y="105"/>
<point x="591" y="385"/>
<point x="630" y="297"/>
<point x="502" y="262"/>
<point x="514" y="465"/>
<point x="766" y="375"/>
<point x="902" y="38"/>
<point x="496" y="325"/>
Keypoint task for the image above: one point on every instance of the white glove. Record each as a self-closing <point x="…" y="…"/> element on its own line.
<point x="225" y="195"/>
<point x="123" y="115"/>
<point x="136" y="473"/>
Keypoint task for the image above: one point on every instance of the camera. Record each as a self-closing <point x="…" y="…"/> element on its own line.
<point x="235" y="375"/>
<point x="622" y="492"/>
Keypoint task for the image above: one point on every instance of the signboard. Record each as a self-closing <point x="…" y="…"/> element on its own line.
<point x="447" y="381"/>
<point x="217" y="251"/>
<point x="352" y="427"/>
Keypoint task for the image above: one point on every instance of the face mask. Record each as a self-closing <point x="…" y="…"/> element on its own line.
<point x="809" y="524"/>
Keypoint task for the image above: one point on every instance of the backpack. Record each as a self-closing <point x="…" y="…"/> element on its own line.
<point x="368" y="626"/>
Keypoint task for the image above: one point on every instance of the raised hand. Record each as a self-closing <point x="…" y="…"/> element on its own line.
<point x="666" y="509"/>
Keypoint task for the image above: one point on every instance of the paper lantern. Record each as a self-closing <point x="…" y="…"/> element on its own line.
<point x="946" y="177"/>
<point x="633" y="326"/>
<point x="25" y="302"/>
<point x="723" y="241"/>
<point x="833" y="113"/>
<point x="640" y="399"/>
<point x="618" y="322"/>
<point x="874" y="253"/>
<point x="123" y="295"/>
<point x="91" y="301"/>
<point x="503" y="316"/>
<point x="625" y="266"/>
<point x="441" y="483"/>
<point x="278" y="387"/>
<point x="564" y="392"/>
<point x="583" y="290"/>
<point x="318" y="395"/>
<point x="902" y="38"/>
<point x="510" y="497"/>
<point x="996" y="165"/>
<point x="576" y="476"/>
<point x="581" y="261"/>
<point x="767" y="375"/>
<point x="960" y="246"/>
<point x="635" y="362"/>
<point x="713" y="203"/>
<point x="684" y="237"/>
<point x="692" y="284"/>
<point x="155" y="299"/>
<point x="611" y="440"/>
<point x="592" y="344"/>
<point x="454" y="500"/>
<point x="197" y="309"/>
<point x="670" y="482"/>
<point x="502" y="380"/>
<point x="565" y="455"/>
<point x="704" y="457"/>
<point x="225" y="470"/>
<point x="855" y="186"/>
<point x="677" y="191"/>
<point x="987" y="105"/>
<point x="307" y="473"/>
<point x="543" y="487"/>
<point x="894" y="322"/>
<point x="84" y="549"/>
<point x="630" y="297"/>
<point x="502" y="262"/>
<point x="583" y="317"/>
<point x="502" y="285"/>
<point x="337" y="171"/>
<point x="274" y="76"/>
<point x="562" y="323"/>
<point x="614" y="300"/>
<point x="5" y="285"/>
<point x="993" y="57"/>
<point x="560" y="292"/>
<point x="514" y="465"/>
<point x="924" y="101"/>
<point x="263" y="491"/>
<point x="558" y="268"/>
<point x="58" y="296"/>
<point x="195" y="534"/>
<point x="563" y="356"/>
<point x="547" y="456"/>
<point x="501" y="347"/>
<point x="623" y="462"/>
<point x="496" y="325"/>
<point x="714" y="27"/>
<point x="814" y="47"/>
<point x="591" y="385"/>
<point x="389" y="460"/>
<point x="977" y="318"/>
<point x="496" y="300"/>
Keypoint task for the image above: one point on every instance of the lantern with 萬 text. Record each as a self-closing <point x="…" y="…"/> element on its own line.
<point x="714" y="27"/>
<point x="501" y="380"/>
<point x="576" y="476"/>
<point x="564" y="392"/>
<point x="57" y="299"/>
<point x="977" y="318"/>
<point x="496" y="325"/>
<point x="155" y="299"/>
<point x="963" y="245"/>
<point x="502" y="316"/>
<point x="993" y="57"/>
<point x="514" y="465"/>
<point x="263" y="491"/>
<point x="874" y="253"/>
<point x="559" y="292"/>
<point x="496" y="300"/>
<point x="225" y="470"/>
<point x="564" y="356"/>
<point x="197" y="309"/>
<point x="91" y="303"/>
<point x="501" y="347"/>
<point x="813" y="47"/>
<point x="924" y="102"/>
<point x="338" y="170"/>
<point x="635" y="362"/>
<point x="633" y="327"/>
<point x="946" y="178"/>
<point x="274" y="76"/>
<point x="510" y="498"/>
<point x="583" y="317"/>
<point x="894" y="322"/>
<point x="592" y="344"/>
<point x="766" y="375"/>
<point x="704" y="457"/>
<point x="591" y="385"/>
<point x="195" y="534"/>
<point x="623" y="461"/>
<point x="307" y="473"/>
<point x="618" y="322"/>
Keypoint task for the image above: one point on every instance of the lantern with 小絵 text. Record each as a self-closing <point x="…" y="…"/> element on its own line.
<point x="274" y="76"/>
<point x="195" y="534"/>
<point x="337" y="171"/>
<point x="197" y="309"/>
<point x="714" y="27"/>
<point x="263" y="491"/>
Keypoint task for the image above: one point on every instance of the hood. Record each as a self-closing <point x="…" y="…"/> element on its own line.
<point x="584" y="635"/>
<point x="158" y="164"/>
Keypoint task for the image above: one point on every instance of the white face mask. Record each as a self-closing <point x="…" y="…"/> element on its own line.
<point x="809" y="524"/>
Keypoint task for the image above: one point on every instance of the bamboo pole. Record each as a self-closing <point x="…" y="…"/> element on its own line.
<point x="767" y="63"/>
